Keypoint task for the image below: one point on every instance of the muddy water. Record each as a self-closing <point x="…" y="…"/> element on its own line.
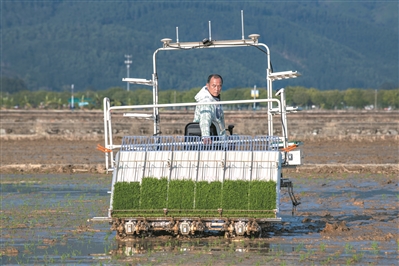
<point x="347" y="219"/>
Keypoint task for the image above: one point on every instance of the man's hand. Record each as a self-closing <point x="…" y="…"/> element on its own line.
<point x="206" y="140"/>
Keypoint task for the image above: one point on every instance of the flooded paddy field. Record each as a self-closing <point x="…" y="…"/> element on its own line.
<point x="343" y="219"/>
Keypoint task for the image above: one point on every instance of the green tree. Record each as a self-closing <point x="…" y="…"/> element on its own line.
<point x="297" y="96"/>
<point x="116" y="96"/>
<point x="390" y="98"/>
<point x="145" y="96"/>
<point x="369" y="97"/>
<point x="354" y="98"/>
<point x="12" y="85"/>
<point x="333" y="99"/>
<point x="316" y="97"/>
<point x="188" y="96"/>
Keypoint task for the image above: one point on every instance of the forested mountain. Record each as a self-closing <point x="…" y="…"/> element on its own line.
<point x="333" y="44"/>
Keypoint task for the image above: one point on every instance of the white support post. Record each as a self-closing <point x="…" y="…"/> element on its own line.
<point x="284" y="126"/>
<point x="106" y="108"/>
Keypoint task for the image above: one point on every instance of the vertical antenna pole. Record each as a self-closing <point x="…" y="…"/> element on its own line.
<point x="72" y="100"/>
<point x="242" y="24"/>
<point x="128" y="61"/>
<point x="177" y="34"/>
<point x="210" y="35"/>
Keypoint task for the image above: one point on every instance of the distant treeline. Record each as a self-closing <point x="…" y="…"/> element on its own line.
<point x="295" y="96"/>
<point x="333" y="44"/>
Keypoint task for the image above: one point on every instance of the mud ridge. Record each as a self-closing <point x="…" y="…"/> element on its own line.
<point x="100" y="168"/>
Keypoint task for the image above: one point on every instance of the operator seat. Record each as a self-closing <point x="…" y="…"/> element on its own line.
<point x="193" y="129"/>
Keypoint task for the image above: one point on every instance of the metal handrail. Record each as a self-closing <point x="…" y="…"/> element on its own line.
<point x="108" y="124"/>
<point x="194" y="104"/>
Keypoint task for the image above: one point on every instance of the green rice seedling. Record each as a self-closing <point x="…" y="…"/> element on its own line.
<point x="27" y="247"/>
<point x="126" y="196"/>
<point x="210" y="261"/>
<point x="181" y="194"/>
<point x="149" y="252"/>
<point x="375" y="247"/>
<point x="348" y="248"/>
<point x="75" y="253"/>
<point x="322" y="247"/>
<point x="354" y="259"/>
<point x="153" y="193"/>
<point x="106" y="237"/>
<point x="208" y="195"/>
<point x="262" y="195"/>
<point x="235" y="195"/>
<point x="64" y="257"/>
<point x="299" y="247"/>
<point x="106" y="249"/>
<point x="305" y="256"/>
<point x="327" y="261"/>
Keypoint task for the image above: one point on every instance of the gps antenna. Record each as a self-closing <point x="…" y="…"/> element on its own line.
<point x="242" y="24"/>
<point x="210" y="34"/>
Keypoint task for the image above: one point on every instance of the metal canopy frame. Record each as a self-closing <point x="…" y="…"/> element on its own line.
<point x="168" y="45"/>
<point x="209" y="44"/>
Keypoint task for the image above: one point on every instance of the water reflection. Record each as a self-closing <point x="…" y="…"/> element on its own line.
<point x="142" y="246"/>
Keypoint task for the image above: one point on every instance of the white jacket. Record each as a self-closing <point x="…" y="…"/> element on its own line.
<point x="208" y="114"/>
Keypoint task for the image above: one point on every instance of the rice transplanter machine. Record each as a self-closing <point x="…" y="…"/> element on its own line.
<point x="179" y="186"/>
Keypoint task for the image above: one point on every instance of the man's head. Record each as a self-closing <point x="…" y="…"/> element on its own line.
<point x="214" y="84"/>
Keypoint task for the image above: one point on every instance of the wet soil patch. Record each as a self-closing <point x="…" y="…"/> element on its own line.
<point x="342" y="219"/>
